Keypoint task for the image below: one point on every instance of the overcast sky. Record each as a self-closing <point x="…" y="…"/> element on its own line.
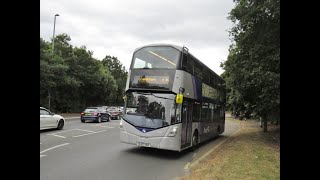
<point x="117" y="27"/>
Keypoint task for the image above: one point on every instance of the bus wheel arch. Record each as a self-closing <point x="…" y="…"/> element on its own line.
<point x="195" y="139"/>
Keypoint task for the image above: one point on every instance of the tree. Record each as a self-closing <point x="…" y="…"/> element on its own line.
<point x="73" y="77"/>
<point x="252" y="69"/>
<point x="119" y="73"/>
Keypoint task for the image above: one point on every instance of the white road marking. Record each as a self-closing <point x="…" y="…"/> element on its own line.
<point x="114" y="123"/>
<point x="42" y="155"/>
<point x="54" y="147"/>
<point x="187" y="166"/>
<point x="84" y="130"/>
<point x="89" y="133"/>
<point x="57" y="135"/>
<point x="63" y="131"/>
<point x="100" y="125"/>
<point x="106" y="126"/>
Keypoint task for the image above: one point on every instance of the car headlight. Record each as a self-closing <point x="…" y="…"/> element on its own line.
<point x="173" y="132"/>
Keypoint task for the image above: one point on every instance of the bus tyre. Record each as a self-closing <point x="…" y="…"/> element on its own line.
<point x="195" y="141"/>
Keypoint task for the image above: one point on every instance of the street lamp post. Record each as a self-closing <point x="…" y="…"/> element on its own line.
<point x="54" y="28"/>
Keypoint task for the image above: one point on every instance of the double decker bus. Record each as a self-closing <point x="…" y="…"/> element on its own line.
<point x="173" y="101"/>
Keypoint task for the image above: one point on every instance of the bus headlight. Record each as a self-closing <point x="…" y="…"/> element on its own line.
<point x="173" y="132"/>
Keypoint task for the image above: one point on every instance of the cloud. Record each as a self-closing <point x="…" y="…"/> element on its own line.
<point x="117" y="27"/>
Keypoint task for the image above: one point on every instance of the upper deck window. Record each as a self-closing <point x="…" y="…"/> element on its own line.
<point x="156" y="57"/>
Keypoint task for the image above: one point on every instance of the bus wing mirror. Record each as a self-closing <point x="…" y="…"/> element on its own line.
<point x="179" y="98"/>
<point x="181" y="89"/>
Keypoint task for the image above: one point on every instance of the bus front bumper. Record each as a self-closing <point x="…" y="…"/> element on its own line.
<point x="168" y="143"/>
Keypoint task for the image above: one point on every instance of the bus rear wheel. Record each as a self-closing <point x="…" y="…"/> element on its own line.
<point x="218" y="131"/>
<point x="195" y="141"/>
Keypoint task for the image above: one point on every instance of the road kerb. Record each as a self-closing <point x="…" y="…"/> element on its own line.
<point x="209" y="152"/>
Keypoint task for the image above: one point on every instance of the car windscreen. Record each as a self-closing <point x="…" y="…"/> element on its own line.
<point x="112" y="109"/>
<point x="91" y="110"/>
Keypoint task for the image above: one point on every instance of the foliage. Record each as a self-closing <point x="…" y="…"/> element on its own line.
<point x="252" y="69"/>
<point x="75" y="80"/>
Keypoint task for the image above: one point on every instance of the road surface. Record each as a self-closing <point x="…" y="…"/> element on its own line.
<point x="83" y="151"/>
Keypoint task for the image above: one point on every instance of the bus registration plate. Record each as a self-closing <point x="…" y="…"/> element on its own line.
<point x="143" y="144"/>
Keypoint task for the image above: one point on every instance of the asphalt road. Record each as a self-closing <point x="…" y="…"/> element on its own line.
<point x="83" y="151"/>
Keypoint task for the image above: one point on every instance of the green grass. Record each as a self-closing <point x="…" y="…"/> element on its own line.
<point x="232" y="120"/>
<point x="249" y="155"/>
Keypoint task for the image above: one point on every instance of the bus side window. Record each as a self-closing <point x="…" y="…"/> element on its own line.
<point x="196" y="112"/>
<point x="211" y="112"/>
<point x="216" y="112"/>
<point x="206" y="76"/>
<point x="184" y="62"/>
<point x="213" y="81"/>
<point x="190" y="65"/>
<point x="198" y="70"/>
<point x="204" y="112"/>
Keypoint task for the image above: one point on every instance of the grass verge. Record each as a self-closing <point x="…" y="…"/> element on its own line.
<point x="250" y="154"/>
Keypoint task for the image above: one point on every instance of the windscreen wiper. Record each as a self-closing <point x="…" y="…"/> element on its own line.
<point x="149" y="93"/>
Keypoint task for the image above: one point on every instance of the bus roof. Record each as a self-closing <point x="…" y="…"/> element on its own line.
<point x="160" y="44"/>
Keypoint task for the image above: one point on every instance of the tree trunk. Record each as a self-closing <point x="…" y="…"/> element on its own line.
<point x="265" y="125"/>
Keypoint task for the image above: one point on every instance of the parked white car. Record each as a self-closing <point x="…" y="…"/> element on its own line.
<point x="49" y="120"/>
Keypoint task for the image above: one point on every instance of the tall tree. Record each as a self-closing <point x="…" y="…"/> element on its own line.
<point x="119" y="73"/>
<point x="252" y="70"/>
<point x="73" y="77"/>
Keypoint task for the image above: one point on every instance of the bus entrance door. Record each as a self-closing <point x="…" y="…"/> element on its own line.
<point x="186" y="124"/>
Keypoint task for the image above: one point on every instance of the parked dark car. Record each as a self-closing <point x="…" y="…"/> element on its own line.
<point x="95" y="114"/>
